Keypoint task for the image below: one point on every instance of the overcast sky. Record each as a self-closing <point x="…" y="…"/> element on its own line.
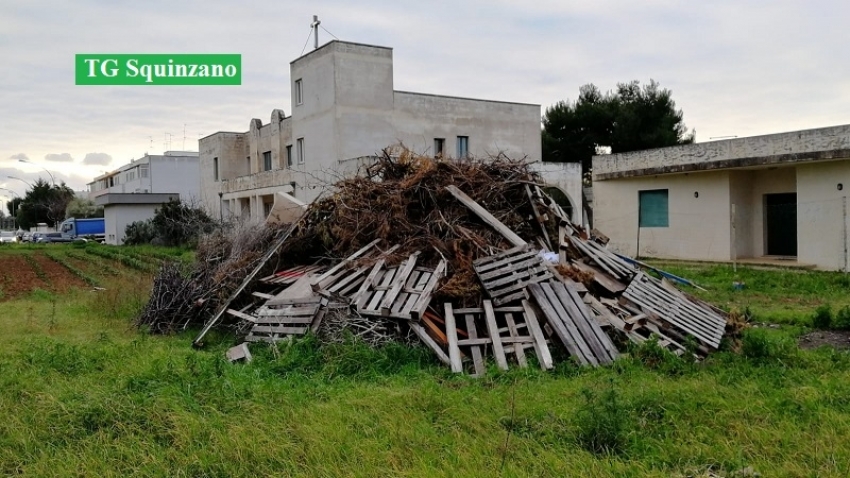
<point x="737" y="67"/>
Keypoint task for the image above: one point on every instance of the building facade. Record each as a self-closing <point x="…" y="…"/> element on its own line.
<point x="345" y="111"/>
<point x="134" y="191"/>
<point x="781" y="195"/>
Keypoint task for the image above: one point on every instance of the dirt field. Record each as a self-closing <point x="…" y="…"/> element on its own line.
<point x="19" y="277"/>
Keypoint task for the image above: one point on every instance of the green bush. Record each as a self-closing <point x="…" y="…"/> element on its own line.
<point x="139" y="232"/>
<point x="823" y="317"/>
<point x="842" y="319"/>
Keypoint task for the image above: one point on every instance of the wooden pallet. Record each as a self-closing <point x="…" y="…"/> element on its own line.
<point x="573" y="323"/>
<point x="296" y="317"/>
<point x="507" y="332"/>
<point x="402" y="292"/>
<point x="605" y="259"/>
<point x="635" y="326"/>
<point x="505" y="276"/>
<point x="675" y="310"/>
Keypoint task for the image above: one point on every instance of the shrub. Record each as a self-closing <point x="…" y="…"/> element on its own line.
<point x="823" y="317"/>
<point x="139" y="232"/>
<point x="842" y="319"/>
<point x="762" y="345"/>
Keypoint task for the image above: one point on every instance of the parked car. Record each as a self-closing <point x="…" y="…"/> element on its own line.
<point x="26" y="237"/>
<point x="8" y="236"/>
<point x="52" y="237"/>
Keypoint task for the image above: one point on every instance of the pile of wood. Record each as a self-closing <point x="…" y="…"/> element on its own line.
<point x="454" y="254"/>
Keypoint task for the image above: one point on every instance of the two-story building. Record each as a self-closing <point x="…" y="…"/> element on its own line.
<point x="134" y="191"/>
<point x="344" y="112"/>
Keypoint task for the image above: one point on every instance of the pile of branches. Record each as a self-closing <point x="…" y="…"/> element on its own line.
<point x="184" y="296"/>
<point x="402" y="199"/>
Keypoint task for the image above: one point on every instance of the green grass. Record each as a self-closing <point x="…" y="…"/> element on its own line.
<point x="82" y="394"/>
<point x="771" y="294"/>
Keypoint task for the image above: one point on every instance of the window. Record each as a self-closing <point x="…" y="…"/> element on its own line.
<point x="144" y="171"/>
<point x="248" y="165"/>
<point x="267" y="208"/>
<point x="289" y="156"/>
<point x="653" y="208"/>
<point x="299" y="92"/>
<point x="215" y="169"/>
<point x="439" y="147"/>
<point x="300" y="151"/>
<point x="462" y="146"/>
<point x="267" y="161"/>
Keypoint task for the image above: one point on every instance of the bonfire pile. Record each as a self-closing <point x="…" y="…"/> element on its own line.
<point x="470" y="258"/>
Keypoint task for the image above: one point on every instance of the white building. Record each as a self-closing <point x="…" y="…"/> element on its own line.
<point x="780" y="195"/>
<point x="345" y="111"/>
<point x="134" y="191"/>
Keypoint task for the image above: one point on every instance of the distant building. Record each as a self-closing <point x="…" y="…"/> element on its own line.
<point x="345" y="111"/>
<point x="134" y="191"/>
<point x="780" y="195"/>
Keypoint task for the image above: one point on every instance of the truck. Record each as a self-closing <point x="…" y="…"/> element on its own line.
<point x="91" y="228"/>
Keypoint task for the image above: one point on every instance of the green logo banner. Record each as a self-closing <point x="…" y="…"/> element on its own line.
<point x="159" y="69"/>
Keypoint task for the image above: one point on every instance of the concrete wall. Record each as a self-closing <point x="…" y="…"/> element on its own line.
<point x="741" y="195"/>
<point x="821" y="218"/>
<point x="231" y="149"/>
<point x="699" y="227"/>
<point x="782" y="147"/>
<point x="118" y="216"/>
<point x="493" y="127"/>
<point x="169" y="174"/>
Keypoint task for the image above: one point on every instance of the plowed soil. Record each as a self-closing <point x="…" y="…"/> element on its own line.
<point x="17" y="276"/>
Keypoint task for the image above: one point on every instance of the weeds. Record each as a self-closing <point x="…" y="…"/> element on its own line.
<point x="602" y="421"/>
<point x="766" y="346"/>
<point x="73" y="270"/>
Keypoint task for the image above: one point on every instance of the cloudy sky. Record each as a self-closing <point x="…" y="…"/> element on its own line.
<point x="735" y="67"/>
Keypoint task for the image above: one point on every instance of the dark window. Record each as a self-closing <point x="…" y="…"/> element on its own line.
<point x="653" y="208"/>
<point x="439" y="147"/>
<point x="215" y="169"/>
<point x="248" y="164"/>
<point x="299" y="92"/>
<point x="300" y="151"/>
<point x="289" y="156"/>
<point x="462" y="146"/>
<point x="267" y="161"/>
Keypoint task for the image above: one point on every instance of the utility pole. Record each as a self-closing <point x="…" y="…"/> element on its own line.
<point x="315" y="26"/>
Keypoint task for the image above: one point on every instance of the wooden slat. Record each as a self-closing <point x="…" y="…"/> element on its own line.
<point x="321" y="282"/>
<point x="544" y="356"/>
<point x="493" y="330"/>
<point x="241" y="315"/>
<point x="597" y="331"/>
<point x="477" y="354"/>
<point x="485" y="216"/>
<point x="429" y="342"/>
<point x="451" y="335"/>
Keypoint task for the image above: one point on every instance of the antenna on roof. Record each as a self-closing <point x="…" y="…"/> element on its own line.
<point x="315" y="26"/>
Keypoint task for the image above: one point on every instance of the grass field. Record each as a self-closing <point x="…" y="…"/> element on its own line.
<point x="83" y="394"/>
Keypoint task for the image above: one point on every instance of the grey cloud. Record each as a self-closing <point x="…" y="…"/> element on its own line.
<point x="97" y="158"/>
<point x="62" y="157"/>
<point x="19" y="156"/>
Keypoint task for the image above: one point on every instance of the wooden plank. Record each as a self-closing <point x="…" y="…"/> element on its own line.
<point x="486" y="216"/>
<point x="493" y="330"/>
<point x="451" y="335"/>
<point x="278" y="302"/>
<point x="502" y="259"/>
<point x="484" y="261"/>
<point x="604" y="280"/>
<point x="514" y="332"/>
<point x="374" y="275"/>
<point x="429" y="342"/>
<point x="600" y="334"/>
<point x="434" y="330"/>
<point x="291" y="311"/>
<point x="241" y="315"/>
<point x="320" y="282"/>
<point x="540" y="221"/>
<point x="553" y="318"/>
<point x="544" y="356"/>
<point x="569" y="324"/>
<point x="477" y="355"/>
<point x="278" y="329"/>
<point x="262" y="296"/>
